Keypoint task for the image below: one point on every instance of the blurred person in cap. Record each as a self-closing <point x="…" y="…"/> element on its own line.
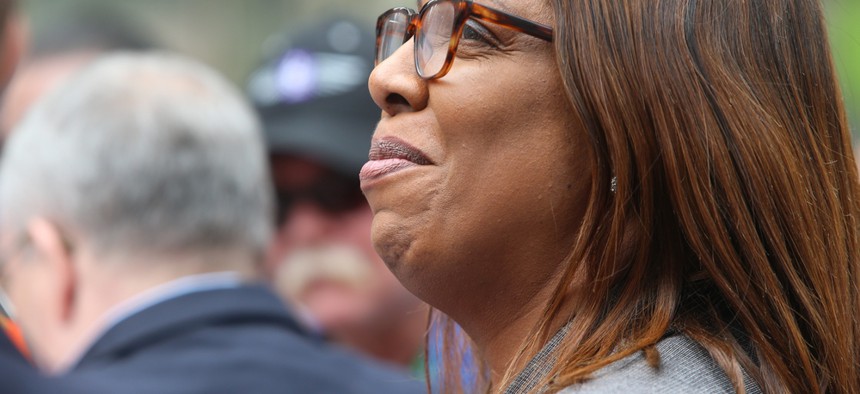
<point x="53" y="54"/>
<point x="318" y="119"/>
<point x="12" y="40"/>
<point x="135" y="205"/>
<point x="61" y="48"/>
<point x="16" y="376"/>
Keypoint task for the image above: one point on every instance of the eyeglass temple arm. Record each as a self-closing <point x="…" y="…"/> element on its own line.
<point x="514" y="22"/>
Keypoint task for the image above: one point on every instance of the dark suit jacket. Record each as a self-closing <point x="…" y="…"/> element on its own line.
<point x="240" y="340"/>
<point x="17" y="376"/>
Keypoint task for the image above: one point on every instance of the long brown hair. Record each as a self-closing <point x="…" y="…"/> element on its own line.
<point x="735" y="219"/>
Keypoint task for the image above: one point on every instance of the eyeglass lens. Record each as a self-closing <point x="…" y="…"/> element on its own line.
<point x="434" y="38"/>
<point x="431" y="41"/>
<point x="393" y="34"/>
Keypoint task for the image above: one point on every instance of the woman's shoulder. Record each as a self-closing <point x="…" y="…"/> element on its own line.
<point x="685" y="367"/>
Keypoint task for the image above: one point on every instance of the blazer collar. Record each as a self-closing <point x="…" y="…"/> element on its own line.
<point x="190" y="311"/>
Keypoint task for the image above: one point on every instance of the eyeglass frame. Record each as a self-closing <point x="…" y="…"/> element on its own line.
<point x="464" y="10"/>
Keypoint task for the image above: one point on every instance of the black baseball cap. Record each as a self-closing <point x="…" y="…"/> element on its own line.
<point x="312" y="96"/>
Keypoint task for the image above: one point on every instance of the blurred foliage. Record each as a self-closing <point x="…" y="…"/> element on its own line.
<point x="234" y="35"/>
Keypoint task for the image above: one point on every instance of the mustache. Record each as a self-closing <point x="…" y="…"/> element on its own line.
<point x="303" y="267"/>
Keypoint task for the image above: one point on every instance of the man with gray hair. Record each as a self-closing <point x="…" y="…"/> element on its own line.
<point x="134" y="216"/>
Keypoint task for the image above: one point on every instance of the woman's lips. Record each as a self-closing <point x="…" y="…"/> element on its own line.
<point x="390" y="155"/>
<point x="377" y="168"/>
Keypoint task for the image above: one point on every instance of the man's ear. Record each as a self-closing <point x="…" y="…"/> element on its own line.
<point x="51" y="246"/>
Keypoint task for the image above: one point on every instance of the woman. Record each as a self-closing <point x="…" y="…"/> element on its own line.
<point x="650" y="196"/>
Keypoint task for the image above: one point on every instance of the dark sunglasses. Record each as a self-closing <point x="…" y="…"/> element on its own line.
<point x="333" y="194"/>
<point x="437" y="29"/>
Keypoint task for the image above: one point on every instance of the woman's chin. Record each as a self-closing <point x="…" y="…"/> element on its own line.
<point x="392" y="240"/>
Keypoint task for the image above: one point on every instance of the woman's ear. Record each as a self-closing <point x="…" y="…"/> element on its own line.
<point x="52" y="248"/>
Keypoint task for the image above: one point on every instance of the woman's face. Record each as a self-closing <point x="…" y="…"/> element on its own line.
<point x="477" y="180"/>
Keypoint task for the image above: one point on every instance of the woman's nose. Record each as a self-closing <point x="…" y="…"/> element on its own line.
<point x="395" y="85"/>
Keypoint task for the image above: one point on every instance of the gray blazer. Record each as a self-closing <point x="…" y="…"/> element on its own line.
<point x="685" y="367"/>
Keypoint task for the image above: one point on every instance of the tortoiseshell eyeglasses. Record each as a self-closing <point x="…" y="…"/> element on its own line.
<point x="437" y="29"/>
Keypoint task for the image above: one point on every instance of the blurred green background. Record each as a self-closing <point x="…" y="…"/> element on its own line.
<point x="843" y="16"/>
<point x="233" y="35"/>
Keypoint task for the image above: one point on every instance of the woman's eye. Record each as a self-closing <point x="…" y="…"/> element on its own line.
<point x="474" y="32"/>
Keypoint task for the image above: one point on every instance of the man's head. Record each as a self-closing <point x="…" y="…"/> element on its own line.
<point x="318" y="119"/>
<point x="142" y="169"/>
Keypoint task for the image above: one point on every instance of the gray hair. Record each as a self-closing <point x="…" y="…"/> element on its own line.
<point x="151" y="154"/>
